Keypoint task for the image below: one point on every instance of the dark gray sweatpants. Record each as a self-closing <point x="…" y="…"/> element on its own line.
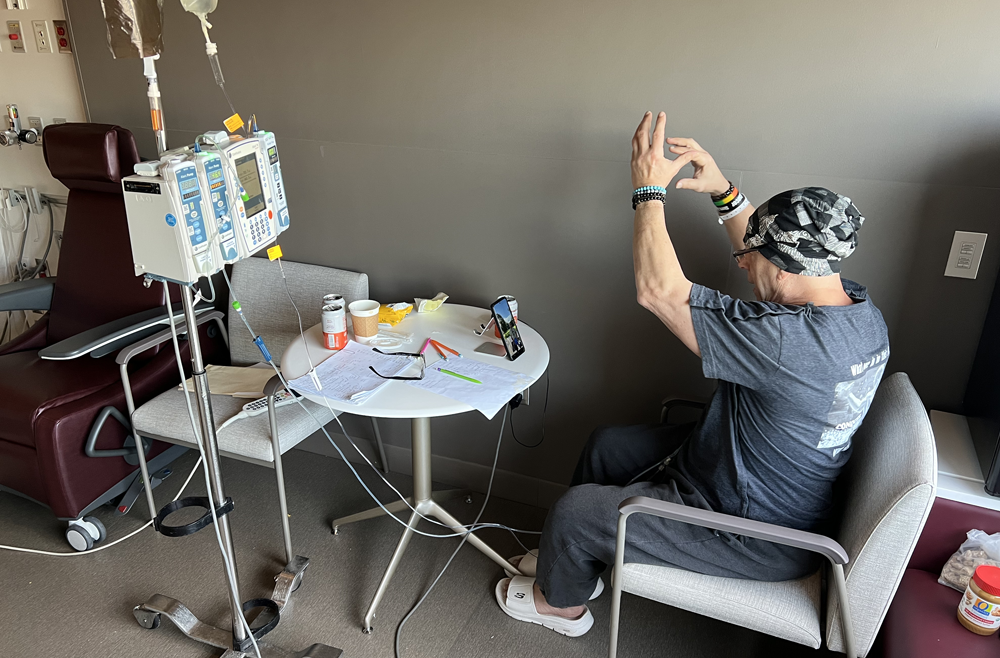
<point x="578" y="539"/>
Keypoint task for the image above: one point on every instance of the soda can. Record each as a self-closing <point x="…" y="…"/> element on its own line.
<point x="333" y="299"/>
<point x="334" y="327"/>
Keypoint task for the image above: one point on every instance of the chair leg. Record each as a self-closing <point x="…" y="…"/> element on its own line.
<point x="846" y="621"/>
<point x="280" y="476"/>
<point x="381" y="448"/>
<point x="616" y="585"/>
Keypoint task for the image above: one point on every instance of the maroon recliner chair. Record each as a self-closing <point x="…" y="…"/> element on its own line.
<point x="60" y="376"/>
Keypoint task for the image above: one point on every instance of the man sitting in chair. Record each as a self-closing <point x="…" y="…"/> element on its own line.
<point x="796" y="370"/>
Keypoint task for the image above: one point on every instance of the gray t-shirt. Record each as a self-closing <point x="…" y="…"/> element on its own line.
<point x="794" y="384"/>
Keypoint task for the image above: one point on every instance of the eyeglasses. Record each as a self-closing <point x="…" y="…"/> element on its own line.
<point x="737" y="255"/>
<point x="423" y="364"/>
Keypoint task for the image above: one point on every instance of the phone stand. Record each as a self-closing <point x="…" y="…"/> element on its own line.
<point x="491" y="349"/>
<point x="483" y="328"/>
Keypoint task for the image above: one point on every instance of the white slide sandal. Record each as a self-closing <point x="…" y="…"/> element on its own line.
<point x="520" y="604"/>
<point x="528" y="565"/>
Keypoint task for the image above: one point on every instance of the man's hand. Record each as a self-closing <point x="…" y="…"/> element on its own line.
<point x="650" y="165"/>
<point x="707" y="176"/>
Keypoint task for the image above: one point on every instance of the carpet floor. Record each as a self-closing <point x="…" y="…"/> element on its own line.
<point x="82" y="606"/>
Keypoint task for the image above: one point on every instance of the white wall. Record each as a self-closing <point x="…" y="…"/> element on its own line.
<point x="43" y="85"/>
<point x="40" y="84"/>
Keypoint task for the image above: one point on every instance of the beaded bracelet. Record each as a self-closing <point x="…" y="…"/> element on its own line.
<point x="719" y="197"/>
<point x="643" y="197"/>
<point x="649" y="188"/>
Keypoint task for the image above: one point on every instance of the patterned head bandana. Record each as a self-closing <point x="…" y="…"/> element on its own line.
<point x="806" y="231"/>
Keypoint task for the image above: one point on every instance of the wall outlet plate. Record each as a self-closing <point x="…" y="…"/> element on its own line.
<point x="63" y="43"/>
<point x="966" y="254"/>
<point x="14" y="37"/>
<point x="17" y="4"/>
<point x="40" y="29"/>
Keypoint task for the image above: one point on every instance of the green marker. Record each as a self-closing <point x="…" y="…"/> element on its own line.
<point x="455" y="374"/>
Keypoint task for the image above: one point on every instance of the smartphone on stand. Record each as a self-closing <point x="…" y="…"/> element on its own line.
<point x="507" y="326"/>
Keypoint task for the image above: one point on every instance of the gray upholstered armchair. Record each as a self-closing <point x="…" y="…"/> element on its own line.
<point x="885" y="494"/>
<point x="260" y="439"/>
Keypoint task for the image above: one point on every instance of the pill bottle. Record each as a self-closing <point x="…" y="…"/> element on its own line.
<point x="979" y="610"/>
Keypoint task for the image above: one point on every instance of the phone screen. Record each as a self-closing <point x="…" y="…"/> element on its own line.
<point x="508" y="328"/>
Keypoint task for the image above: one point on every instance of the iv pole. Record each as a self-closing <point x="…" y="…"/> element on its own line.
<point x="236" y="642"/>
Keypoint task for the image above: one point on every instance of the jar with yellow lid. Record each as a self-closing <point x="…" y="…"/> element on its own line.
<point x="979" y="610"/>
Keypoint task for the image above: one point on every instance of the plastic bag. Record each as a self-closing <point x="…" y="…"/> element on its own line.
<point x="980" y="548"/>
<point x="135" y="27"/>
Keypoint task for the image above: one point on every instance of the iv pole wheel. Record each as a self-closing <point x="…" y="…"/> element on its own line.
<point x="146" y="618"/>
<point x="336" y="530"/>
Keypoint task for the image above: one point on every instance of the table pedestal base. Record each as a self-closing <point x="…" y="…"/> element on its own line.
<point x="426" y="503"/>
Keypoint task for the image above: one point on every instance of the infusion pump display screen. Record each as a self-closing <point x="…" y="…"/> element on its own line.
<point x="246" y="169"/>
<point x="189" y="188"/>
<point x="215" y="178"/>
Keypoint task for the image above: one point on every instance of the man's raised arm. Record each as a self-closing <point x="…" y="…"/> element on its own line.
<point x="660" y="283"/>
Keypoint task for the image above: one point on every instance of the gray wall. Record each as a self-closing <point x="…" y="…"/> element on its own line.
<point x="482" y="148"/>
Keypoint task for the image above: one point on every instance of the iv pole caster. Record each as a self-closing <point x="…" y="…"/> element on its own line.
<point x="148" y="619"/>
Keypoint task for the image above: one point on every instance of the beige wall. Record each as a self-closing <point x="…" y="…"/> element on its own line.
<point x="40" y="84"/>
<point x="482" y="148"/>
<point x="43" y="85"/>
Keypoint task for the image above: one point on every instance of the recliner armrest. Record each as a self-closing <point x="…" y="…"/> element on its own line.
<point x="148" y="341"/>
<point x="809" y="541"/>
<point x="30" y="295"/>
<point x="107" y="338"/>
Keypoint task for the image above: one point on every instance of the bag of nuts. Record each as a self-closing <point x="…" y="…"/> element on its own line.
<point x="980" y="548"/>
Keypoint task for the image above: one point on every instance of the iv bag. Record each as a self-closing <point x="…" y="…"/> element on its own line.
<point x="200" y="7"/>
<point x="135" y="27"/>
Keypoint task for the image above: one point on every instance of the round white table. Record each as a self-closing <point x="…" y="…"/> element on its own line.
<point x="452" y="325"/>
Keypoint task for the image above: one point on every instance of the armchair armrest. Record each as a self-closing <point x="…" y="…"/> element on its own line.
<point x="273" y="386"/>
<point x="809" y="541"/>
<point x="30" y="295"/>
<point x="669" y="404"/>
<point x="162" y="336"/>
<point x="108" y="337"/>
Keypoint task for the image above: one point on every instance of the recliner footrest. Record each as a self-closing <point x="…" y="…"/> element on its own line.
<point x="194" y="526"/>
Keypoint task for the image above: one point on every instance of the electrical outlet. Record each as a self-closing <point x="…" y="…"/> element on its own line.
<point x="41" y="31"/>
<point x="966" y="254"/>
<point x="17" y="4"/>
<point x="58" y="120"/>
<point x="15" y="37"/>
<point x="62" y="37"/>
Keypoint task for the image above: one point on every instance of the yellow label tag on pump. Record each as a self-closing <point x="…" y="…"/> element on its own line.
<point x="233" y="123"/>
<point x="274" y="252"/>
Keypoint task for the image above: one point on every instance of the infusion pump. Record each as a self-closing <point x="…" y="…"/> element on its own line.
<point x="198" y="208"/>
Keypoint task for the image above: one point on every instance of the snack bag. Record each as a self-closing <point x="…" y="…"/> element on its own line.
<point x="980" y="548"/>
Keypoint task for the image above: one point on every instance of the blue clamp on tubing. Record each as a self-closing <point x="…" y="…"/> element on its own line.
<point x="259" y="342"/>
